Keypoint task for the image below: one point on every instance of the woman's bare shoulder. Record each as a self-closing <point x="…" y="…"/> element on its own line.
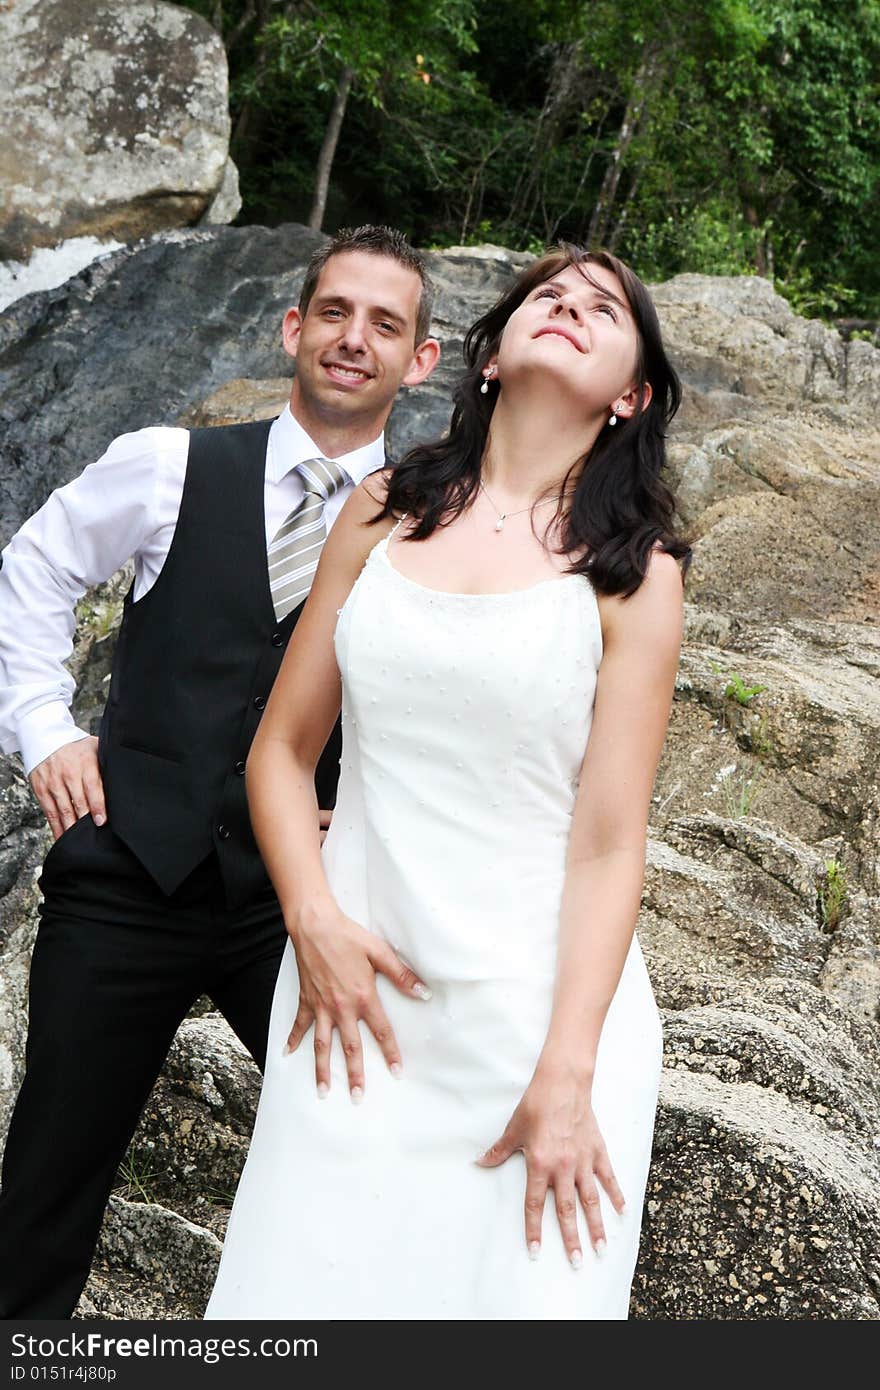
<point x="653" y="615"/>
<point x="373" y="491"/>
<point x="356" y="530"/>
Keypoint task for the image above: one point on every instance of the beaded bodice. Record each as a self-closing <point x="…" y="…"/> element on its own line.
<point x="459" y="704"/>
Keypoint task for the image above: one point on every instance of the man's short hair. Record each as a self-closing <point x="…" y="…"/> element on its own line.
<point x="378" y="241"/>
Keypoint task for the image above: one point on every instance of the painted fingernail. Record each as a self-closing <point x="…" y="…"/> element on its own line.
<point x="286" y="1049"/>
<point x="421" y="992"/>
<point x="576" y="1258"/>
<point x="323" y="1090"/>
<point x="534" y="1249"/>
<point x="396" y="1069"/>
<point x="99" y="820"/>
<point x="600" y="1247"/>
<point x="357" y="1095"/>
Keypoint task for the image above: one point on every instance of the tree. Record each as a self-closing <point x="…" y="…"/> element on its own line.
<point x="737" y="135"/>
<point x="347" y="47"/>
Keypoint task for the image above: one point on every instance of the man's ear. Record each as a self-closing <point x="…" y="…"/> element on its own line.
<point x="291" y="327"/>
<point x="425" y="359"/>
<point x="627" y="407"/>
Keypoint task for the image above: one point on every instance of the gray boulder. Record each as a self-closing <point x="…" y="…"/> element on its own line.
<point x="115" y="120"/>
<point x="151" y="1262"/>
<point x="24" y="840"/>
<point x="195" y="1130"/>
<point x="763" y="1193"/>
<point x="734" y="336"/>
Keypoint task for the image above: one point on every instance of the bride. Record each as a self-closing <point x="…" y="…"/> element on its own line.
<point x="500" y="617"/>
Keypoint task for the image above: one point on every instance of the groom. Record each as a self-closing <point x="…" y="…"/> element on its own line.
<point x="154" y="892"/>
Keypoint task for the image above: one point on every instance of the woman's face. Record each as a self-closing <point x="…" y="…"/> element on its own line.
<point x="579" y="337"/>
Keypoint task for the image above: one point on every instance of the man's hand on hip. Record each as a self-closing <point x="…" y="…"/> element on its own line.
<point x="68" y="785"/>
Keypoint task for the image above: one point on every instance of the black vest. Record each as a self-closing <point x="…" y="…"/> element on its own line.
<point x="195" y="661"/>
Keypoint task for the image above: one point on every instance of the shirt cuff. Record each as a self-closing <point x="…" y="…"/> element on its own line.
<point x="42" y="731"/>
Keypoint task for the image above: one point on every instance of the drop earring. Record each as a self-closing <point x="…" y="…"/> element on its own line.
<point x="484" y="389"/>
<point x="613" y="420"/>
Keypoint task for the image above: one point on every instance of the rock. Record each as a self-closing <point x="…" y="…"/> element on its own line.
<point x="194" y="1134"/>
<point x="226" y="203"/>
<point x="24" y="840"/>
<point x="98" y="616"/>
<point x="735" y="334"/>
<point x="851" y="973"/>
<point x="753" y="1212"/>
<point x="799" y="494"/>
<point x="22" y="829"/>
<point x="709" y="899"/>
<point x="174" y="1261"/>
<point x="116" y="121"/>
<point x="760" y="914"/>
<point x="241" y="399"/>
<point x="48" y="267"/>
<point x="477" y="255"/>
<point x="762" y="1197"/>
<point x="801" y="751"/>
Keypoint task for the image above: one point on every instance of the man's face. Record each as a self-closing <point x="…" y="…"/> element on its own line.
<point x="355" y="346"/>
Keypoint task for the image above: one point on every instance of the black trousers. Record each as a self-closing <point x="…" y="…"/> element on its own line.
<point x="116" y="967"/>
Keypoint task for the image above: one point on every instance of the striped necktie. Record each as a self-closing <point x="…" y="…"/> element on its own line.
<point x="296" y="546"/>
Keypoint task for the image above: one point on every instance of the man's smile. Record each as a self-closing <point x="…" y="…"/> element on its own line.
<point x="344" y="371"/>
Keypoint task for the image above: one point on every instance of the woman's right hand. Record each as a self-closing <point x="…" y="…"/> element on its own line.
<point x="338" y="961"/>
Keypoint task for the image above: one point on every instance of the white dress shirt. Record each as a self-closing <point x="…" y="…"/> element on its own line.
<point x="123" y="506"/>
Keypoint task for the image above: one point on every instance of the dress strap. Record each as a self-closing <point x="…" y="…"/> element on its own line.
<point x="394" y="528"/>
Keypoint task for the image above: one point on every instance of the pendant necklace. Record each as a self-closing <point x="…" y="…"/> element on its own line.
<point x="502" y="516"/>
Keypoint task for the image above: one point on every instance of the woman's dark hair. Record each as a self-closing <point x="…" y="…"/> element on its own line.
<point x="620" y="505"/>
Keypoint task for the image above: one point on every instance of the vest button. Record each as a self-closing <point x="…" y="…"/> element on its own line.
<point x="277" y="639"/>
<point x="239" y="768"/>
<point x="223" y="832"/>
<point x="260" y="702"/>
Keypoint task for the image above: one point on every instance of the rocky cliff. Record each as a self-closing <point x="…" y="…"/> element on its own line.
<point x="760" y="909"/>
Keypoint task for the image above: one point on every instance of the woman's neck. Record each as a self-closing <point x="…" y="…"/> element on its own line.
<point x="530" y="450"/>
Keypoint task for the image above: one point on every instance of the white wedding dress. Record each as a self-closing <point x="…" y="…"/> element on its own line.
<point x="465" y="720"/>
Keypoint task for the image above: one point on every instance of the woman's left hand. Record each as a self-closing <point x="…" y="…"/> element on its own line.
<point x="556" y="1130"/>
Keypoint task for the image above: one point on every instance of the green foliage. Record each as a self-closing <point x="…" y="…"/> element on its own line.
<point x="379" y="41"/>
<point x="711" y="239"/>
<point x="816" y="300"/>
<point x="741" y="787"/>
<point x="760" y="737"/>
<point x="736" y="689"/>
<point x="135" y="1176"/>
<point x="833" y="894"/>
<point x="218" y="1197"/>
<point x="737" y="136"/>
